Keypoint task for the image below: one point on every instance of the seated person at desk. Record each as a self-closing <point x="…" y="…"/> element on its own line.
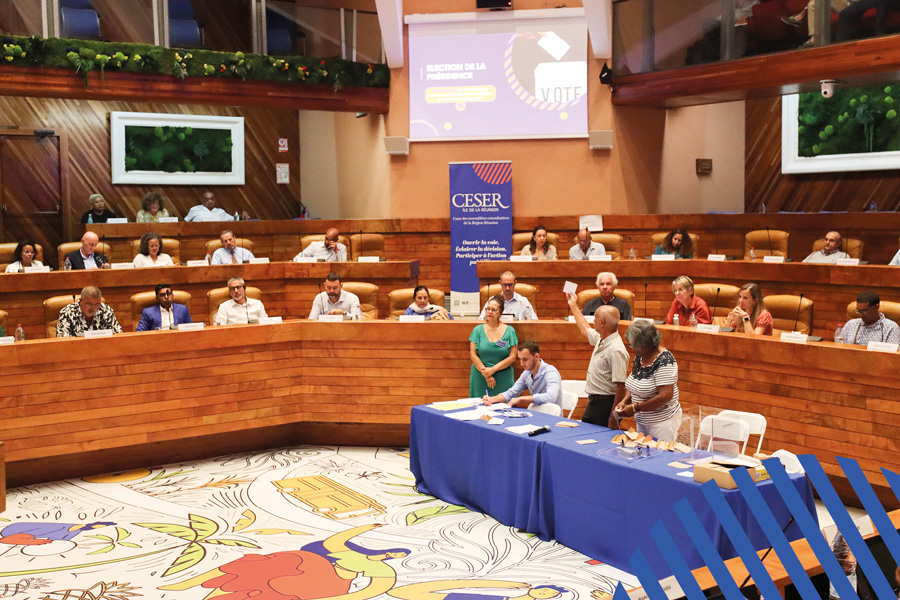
<point x="335" y="301"/>
<point x="750" y="315"/>
<point x="165" y="314"/>
<point x="492" y="350"/>
<point x="98" y="212"/>
<point x="676" y="242"/>
<point x="687" y="304"/>
<point x="422" y="306"/>
<point x="586" y="246"/>
<point x="329" y="250"/>
<point x="830" y="253"/>
<point x="85" y="257"/>
<point x="87" y="314"/>
<point x="152" y="208"/>
<point x="872" y="325"/>
<point x="538" y="248"/>
<point x="208" y="211"/>
<point x="150" y="253"/>
<point x="240" y="309"/>
<point x="514" y="305"/>
<point x="538" y="377"/>
<point x="229" y="253"/>
<point x="24" y="255"/>
<point x="607" y="284"/>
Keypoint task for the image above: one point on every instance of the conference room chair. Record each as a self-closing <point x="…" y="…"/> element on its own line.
<point x="890" y="309"/>
<point x="281" y="34"/>
<point x="53" y="305"/>
<point x="852" y="246"/>
<point x="719" y="308"/>
<point x="219" y="295"/>
<point x="657" y="238"/>
<point x="185" y="33"/>
<point x="723" y="434"/>
<point x="4" y="322"/>
<point x="213" y="245"/>
<point x="612" y="242"/>
<point x="787" y="310"/>
<point x="81" y="23"/>
<point x="142" y="300"/>
<point x="69" y="247"/>
<point x="170" y="246"/>
<point x="569" y="400"/>
<point x="586" y="296"/>
<point x="368" y="298"/>
<point x="366" y="244"/>
<point x="756" y="423"/>
<point x="548" y="409"/>
<point x="399" y="300"/>
<point x="306" y="240"/>
<point x="529" y="291"/>
<point x="520" y="240"/>
<point x="766" y="242"/>
<point x="7" y="254"/>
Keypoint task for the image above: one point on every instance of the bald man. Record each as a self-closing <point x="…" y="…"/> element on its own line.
<point x="85" y="257"/>
<point x="329" y="251"/>
<point x="830" y="253"/>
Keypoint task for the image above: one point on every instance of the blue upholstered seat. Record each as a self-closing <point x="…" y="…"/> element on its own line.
<point x="79" y="23"/>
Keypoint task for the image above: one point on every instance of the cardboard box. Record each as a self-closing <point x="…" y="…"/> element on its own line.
<point x="721" y="475"/>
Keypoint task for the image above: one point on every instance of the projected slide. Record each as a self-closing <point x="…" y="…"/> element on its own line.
<point x="499" y="85"/>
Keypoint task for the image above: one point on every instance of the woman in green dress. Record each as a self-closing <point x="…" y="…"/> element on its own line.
<point x="492" y="348"/>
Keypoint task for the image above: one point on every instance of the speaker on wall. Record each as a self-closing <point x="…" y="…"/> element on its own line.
<point x="601" y="139"/>
<point x="493" y="4"/>
<point x="396" y="145"/>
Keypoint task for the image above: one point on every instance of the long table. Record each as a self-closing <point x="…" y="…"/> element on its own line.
<point x="552" y="486"/>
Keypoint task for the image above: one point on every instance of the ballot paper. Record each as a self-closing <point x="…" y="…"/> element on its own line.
<point x="585" y="442"/>
<point x="454" y="404"/>
<point x="471" y="415"/>
<point x="569" y="287"/>
<point x="679" y="465"/>
<point x="523" y="428"/>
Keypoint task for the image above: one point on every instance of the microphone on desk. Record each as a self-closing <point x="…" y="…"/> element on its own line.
<point x="360" y="242"/>
<point x="799" y="306"/>
<point x="769" y="234"/>
<point x="539" y="431"/>
<point x="712" y="313"/>
<point x="645" y="299"/>
<point x="717" y="240"/>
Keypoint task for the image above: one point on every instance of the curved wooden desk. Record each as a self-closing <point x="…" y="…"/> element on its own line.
<point x="163" y="396"/>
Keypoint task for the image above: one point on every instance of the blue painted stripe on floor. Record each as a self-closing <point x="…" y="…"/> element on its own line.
<point x="707" y="550"/>
<point x="739" y="539"/>
<point x="772" y="529"/>
<point x="673" y="556"/>
<point x="845" y="524"/>
<point x="646" y="576"/>
<point x="870" y="502"/>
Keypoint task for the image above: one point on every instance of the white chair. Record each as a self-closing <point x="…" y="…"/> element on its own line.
<point x="569" y="402"/>
<point x="790" y="461"/>
<point x="576" y="386"/>
<point x="719" y="429"/>
<point x="755" y="421"/>
<point x="550" y="409"/>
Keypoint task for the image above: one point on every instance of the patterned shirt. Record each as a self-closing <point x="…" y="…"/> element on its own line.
<point x="882" y="330"/>
<point x="72" y="322"/>
<point x="644" y="382"/>
<point x="609" y="363"/>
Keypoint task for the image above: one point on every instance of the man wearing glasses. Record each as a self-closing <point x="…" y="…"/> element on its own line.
<point x="88" y="313"/>
<point x="240" y="309"/>
<point x="872" y="325"/>
<point x="165" y="314"/>
<point x="515" y="305"/>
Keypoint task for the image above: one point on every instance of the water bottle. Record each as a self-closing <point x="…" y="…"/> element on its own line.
<point x="676" y="321"/>
<point x="839" y="334"/>
<point x="67" y="265"/>
<point x="872" y="207"/>
<point x="20" y="333"/>
<point x="692" y="321"/>
<point x="752" y="253"/>
<point x="847" y="561"/>
<point x="237" y="217"/>
<point x="632" y="254"/>
<point x="208" y="259"/>
<point x="762" y="207"/>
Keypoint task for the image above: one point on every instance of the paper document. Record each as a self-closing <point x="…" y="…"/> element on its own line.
<point x="470" y="415"/>
<point x="523" y="428"/>
<point x="569" y="287"/>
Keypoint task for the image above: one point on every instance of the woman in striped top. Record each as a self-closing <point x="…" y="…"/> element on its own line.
<point x="651" y="395"/>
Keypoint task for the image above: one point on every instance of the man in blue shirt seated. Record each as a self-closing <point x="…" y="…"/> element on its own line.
<point x="541" y="379"/>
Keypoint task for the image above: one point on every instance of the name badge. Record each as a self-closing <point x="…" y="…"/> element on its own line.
<point x="369" y="259"/>
<point x="118" y="266"/>
<point x="270" y="321"/>
<point x="197" y="263"/>
<point x="92" y="333"/>
<point x="707" y="328"/>
<point x="191" y="326"/>
<point x="882" y="346"/>
<point x="662" y="257"/>
<point x="794" y="337"/>
<point x="519" y="258"/>
<point x="117" y="220"/>
<point x="848" y="262"/>
<point x="412" y="318"/>
<point x="331" y="318"/>
<point x="8" y="340"/>
<point x="588" y="318"/>
<point x="773" y="259"/>
<point x="636" y="319"/>
<point x="507" y="318"/>
<point x="600" y="257"/>
<point x="716" y="257"/>
<point x="44" y="269"/>
<point x="259" y="260"/>
<point x="305" y="259"/>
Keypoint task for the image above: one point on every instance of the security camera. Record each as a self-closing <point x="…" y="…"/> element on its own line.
<point x="827" y="87"/>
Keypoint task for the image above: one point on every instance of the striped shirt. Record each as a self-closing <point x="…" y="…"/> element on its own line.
<point x="608" y="366"/>
<point x="882" y="330"/>
<point x="644" y="382"/>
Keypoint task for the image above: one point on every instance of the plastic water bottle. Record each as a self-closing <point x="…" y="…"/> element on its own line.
<point x="237" y="217"/>
<point x="20" y="333"/>
<point x="632" y="254"/>
<point x="839" y="334"/>
<point x="692" y="321"/>
<point x="872" y="207"/>
<point x="847" y="561"/>
<point x="762" y="207"/>
<point x="676" y="321"/>
<point x="67" y="265"/>
<point x="752" y="253"/>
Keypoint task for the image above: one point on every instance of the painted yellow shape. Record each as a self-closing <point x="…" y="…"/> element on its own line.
<point x="329" y="498"/>
<point x="249" y="518"/>
<point x="277" y="531"/>
<point x="120" y="477"/>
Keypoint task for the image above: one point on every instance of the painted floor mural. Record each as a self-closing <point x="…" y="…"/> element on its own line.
<point x="307" y="523"/>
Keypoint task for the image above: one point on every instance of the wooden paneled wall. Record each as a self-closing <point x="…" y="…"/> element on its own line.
<point x="813" y="192"/>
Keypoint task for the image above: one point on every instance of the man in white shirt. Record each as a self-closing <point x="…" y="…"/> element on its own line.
<point x="240" y="309"/>
<point x="515" y="305"/>
<point x="335" y="301"/>
<point x="329" y="251"/>
<point x="208" y="211"/>
<point x="85" y="257"/>
<point x="586" y="246"/>
<point x="229" y="253"/>
<point x="830" y="253"/>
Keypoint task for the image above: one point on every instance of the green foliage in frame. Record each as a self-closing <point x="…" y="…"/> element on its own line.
<point x="177" y="149"/>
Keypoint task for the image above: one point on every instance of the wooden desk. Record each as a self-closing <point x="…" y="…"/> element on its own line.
<point x="830" y="287"/>
<point x="161" y="396"/>
<point x="288" y="288"/>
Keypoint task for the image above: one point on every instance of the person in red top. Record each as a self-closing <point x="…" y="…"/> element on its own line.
<point x="750" y="315"/>
<point x="686" y="304"/>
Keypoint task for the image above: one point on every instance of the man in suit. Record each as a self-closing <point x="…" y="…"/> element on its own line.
<point x="165" y="314"/>
<point x="85" y="257"/>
